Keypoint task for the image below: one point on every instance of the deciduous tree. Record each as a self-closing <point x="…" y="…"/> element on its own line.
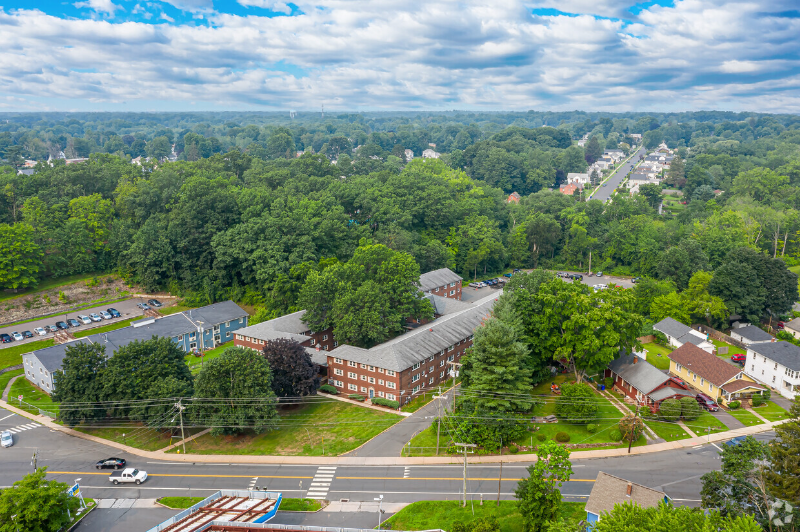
<point x="538" y="495"/>
<point x="35" y="504"/>
<point x="293" y="373"/>
<point x="20" y="257"/>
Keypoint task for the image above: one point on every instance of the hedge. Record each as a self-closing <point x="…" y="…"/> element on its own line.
<point x="327" y="388"/>
<point x="735" y="405"/>
<point x="670" y="410"/>
<point x="541" y="437"/>
<point x="757" y="400"/>
<point x="615" y="435"/>
<point x="766" y="394"/>
<point x="380" y="401"/>
<point x="562" y="437"/>
<point x="513" y="449"/>
<point x="356" y="397"/>
<point x="591" y="428"/>
<point x="690" y="410"/>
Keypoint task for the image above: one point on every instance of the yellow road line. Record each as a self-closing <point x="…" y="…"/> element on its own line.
<point x="169" y="475"/>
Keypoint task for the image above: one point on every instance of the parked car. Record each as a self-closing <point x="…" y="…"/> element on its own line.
<point x="86" y="320"/>
<point x="636" y="280"/>
<point x="17" y="336"/>
<point x="6" y="439"/>
<point x="75" y="323"/>
<point x="599" y="274"/>
<point x="62" y="325"/>
<point x="41" y="331"/>
<point x="577" y="276"/>
<point x="517" y="270"/>
<point x="738" y="440"/>
<point x="507" y="275"/>
<point x="128" y="475"/>
<point x="111" y="463"/>
<point x="6" y="339"/>
<point x="27" y="334"/>
<point x="739" y="359"/>
<point x="114" y="312"/>
<point x="51" y="328"/>
<point x="106" y="315"/>
<point x="94" y="316"/>
<point x="154" y="303"/>
<point x="143" y="306"/>
<point x="706" y="402"/>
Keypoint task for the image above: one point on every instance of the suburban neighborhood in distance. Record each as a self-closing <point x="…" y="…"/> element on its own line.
<point x="350" y="266"/>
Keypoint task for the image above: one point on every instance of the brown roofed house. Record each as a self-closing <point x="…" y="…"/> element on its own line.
<point x="609" y="490"/>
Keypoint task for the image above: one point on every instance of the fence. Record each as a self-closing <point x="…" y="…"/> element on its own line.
<point x="647" y="339"/>
<point x="716" y="335"/>
<point x="227" y="493"/>
<point x="32" y="408"/>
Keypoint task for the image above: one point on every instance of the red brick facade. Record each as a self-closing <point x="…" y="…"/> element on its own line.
<point x="451" y="290"/>
<point x="324" y="339"/>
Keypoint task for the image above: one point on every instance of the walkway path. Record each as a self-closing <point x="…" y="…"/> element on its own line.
<point x="759" y="416"/>
<point x="8" y="386"/>
<point x="622" y="407"/>
<point x="689" y="431"/>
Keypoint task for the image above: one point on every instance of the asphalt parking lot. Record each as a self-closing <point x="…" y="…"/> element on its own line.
<point x="127" y="308"/>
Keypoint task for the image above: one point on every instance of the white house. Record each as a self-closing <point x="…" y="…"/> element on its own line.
<point x="793" y="327"/>
<point x="578" y="179"/>
<point x="430" y="154"/>
<point x="617" y="155"/>
<point x="678" y="334"/>
<point x="751" y="335"/>
<point x="409" y="154"/>
<point x="776" y="364"/>
<point x="602" y="165"/>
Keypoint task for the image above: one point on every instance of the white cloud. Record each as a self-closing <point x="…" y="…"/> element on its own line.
<point x="164" y="16"/>
<point x="101" y="6"/>
<point x="436" y="54"/>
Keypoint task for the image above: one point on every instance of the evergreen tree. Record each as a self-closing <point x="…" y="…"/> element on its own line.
<point x="593" y="150"/>
<point x="783" y="475"/>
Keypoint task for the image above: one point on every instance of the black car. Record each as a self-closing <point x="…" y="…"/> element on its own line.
<point x="27" y="334"/>
<point x="114" y="312"/>
<point x="111" y="463"/>
<point x="154" y="302"/>
<point x="6" y="339"/>
<point x="73" y="322"/>
<point x="62" y="325"/>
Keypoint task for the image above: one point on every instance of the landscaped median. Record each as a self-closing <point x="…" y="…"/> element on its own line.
<point x="287" y="504"/>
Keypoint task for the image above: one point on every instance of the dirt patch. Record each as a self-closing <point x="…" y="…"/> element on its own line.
<point x="63" y="298"/>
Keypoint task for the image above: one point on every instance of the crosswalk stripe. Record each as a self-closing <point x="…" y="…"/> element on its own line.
<point x="31" y="425"/>
<point x="13" y="431"/>
<point x="320" y="484"/>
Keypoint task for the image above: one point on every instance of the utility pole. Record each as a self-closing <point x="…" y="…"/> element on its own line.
<point x="33" y="459"/>
<point x="465" y="446"/>
<point x="590" y="261"/>
<point x="180" y="408"/>
<point x="630" y="435"/>
<point x="499" y="481"/>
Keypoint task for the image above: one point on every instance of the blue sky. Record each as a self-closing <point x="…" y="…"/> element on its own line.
<point x="616" y="55"/>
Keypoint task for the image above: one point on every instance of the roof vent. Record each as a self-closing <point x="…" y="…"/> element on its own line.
<point x="143" y="323"/>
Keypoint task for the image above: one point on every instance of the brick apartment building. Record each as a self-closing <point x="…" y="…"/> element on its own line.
<point x="443" y="282"/>
<point x="412" y="362"/>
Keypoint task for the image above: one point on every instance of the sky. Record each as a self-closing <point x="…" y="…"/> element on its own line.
<point x="593" y="55"/>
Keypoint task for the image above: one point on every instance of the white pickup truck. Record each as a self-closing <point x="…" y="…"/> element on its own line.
<point x="128" y="475"/>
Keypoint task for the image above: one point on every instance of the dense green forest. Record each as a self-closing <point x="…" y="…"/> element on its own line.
<point x="241" y="216"/>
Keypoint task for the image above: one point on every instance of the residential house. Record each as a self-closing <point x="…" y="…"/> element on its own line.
<point x="637" y="180"/>
<point x="751" y="334"/>
<point x="513" y="198"/>
<point x="609" y="490"/>
<point x="678" y="334"/>
<point x="26" y="171"/>
<point x="776" y="364"/>
<point x="569" y="190"/>
<point x="411" y="363"/>
<point x="442" y="282"/>
<point x="602" y="165"/>
<point x="430" y="154"/>
<point x="196" y="329"/>
<point x="643" y="383"/>
<point x="616" y="155"/>
<point x="578" y="179"/>
<point x="715" y="377"/>
<point x="290" y="327"/>
<point x="409" y="155"/>
<point x="636" y="136"/>
<point x="793" y="327"/>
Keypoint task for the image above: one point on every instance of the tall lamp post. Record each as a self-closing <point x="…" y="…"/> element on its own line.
<point x="380" y="509"/>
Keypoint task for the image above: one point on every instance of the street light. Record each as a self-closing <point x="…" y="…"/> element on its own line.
<point x="380" y="509"/>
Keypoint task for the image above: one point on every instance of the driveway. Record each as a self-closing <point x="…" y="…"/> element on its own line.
<point x="127" y="308"/>
<point x="604" y="193"/>
<point x="728" y="420"/>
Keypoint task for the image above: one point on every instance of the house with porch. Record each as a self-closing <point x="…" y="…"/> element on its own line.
<point x="678" y="334"/>
<point x="643" y="384"/>
<point x="707" y="373"/>
<point x="775" y="364"/>
<point x="609" y="490"/>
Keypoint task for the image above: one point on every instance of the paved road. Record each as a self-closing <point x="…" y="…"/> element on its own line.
<point x="67" y="458"/>
<point x="127" y="308"/>
<point x="604" y="193"/>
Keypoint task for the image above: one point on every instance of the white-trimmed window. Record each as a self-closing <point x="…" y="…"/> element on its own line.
<point x="380" y="382"/>
<point x="390" y="372"/>
<point x="372" y="368"/>
<point x="363" y="366"/>
<point x="335" y="343"/>
<point x="338" y="372"/>
<point x="352" y="364"/>
<point x="363" y="377"/>
<point x="324" y="347"/>
<point x="380" y="394"/>
<point x="352" y="375"/>
<point x="228" y="334"/>
<point x="702" y="381"/>
<point x="415" y="378"/>
<point x="710" y="387"/>
<point x="371" y="380"/>
<point x="430" y="369"/>
<point x="415" y="366"/>
<point x="452" y="285"/>
<point x="441" y="363"/>
<point x="180" y="337"/>
<point x="241" y="320"/>
<point x="391" y="397"/>
<point x="451" y="358"/>
<point x="337" y="360"/>
<point x="430" y="381"/>
<point x="324" y="337"/>
<point x="416" y="389"/>
<point x="363" y="389"/>
<point x="352" y="387"/>
<point x="678" y="367"/>
<point x="391" y="384"/>
<point x="441" y="374"/>
<point x="380" y="370"/>
<point x="452" y="292"/>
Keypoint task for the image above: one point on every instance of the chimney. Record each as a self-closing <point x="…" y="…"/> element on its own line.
<point x="634" y="359"/>
<point x="629" y="489"/>
<point x="317" y="347"/>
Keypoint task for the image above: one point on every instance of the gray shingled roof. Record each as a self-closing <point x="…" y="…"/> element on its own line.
<point x="437" y="278"/>
<point x="672" y="327"/>
<point x="692" y="339"/>
<point x="641" y="375"/>
<point x="753" y="333"/>
<point x="794" y="324"/>
<point x="609" y="490"/>
<point x="663" y="393"/>
<point x="446" y="305"/>
<point x="168" y="326"/>
<point x="289" y="326"/>
<point x="415" y="346"/>
<point x="320" y="358"/>
<point x="784" y="353"/>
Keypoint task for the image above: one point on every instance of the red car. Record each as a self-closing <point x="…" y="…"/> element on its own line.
<point x="739" y="359"/>
<point x="706" y="402"/>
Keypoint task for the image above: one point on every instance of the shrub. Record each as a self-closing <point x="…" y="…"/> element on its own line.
<point x="380" y="401"/>
<point x="690" y="410"/>
<point x="631" y="427"/>
<point x="734" y="405"/>
<point x="766" y="394"/>
<point x="541" y="437"/>
<point x="757" y="400"/>
<point x="562" y="437"/>
<point x="577" y="404"/>
<point x="62" y="297"/>
<point x="356" y="397"/>
<point x="591" y="428"/>
<point x="670" y="410"/>
<point x="327" y="388"/>
<point x="615" y="435"/>
<point x="513" y="449"/>
<point x="609" y="382"/>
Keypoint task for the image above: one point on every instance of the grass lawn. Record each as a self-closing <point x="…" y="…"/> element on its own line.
<point x="31" y="394"/>
<point x="423" y="399"/>
<point x="427" y="515"/>
<point x="657" y="355"/>
<point x="7" y="376"/>
<point x="48" y="284"/>
<point x="666" y="430"/>
<point x="304" y="430"/>
<point x="11" y="356"/>
<point x="745" y="417"/>
<point x="137" y="435"/>
<point x="105" y="328"/>
<point x="180" y="503"/>
<point x="732" y="349"/>
<point x="701" y="425"/>
<point x="195" y="363"/>
<point x="299" y="505"/>
<point x="771" y="411"/>
<point x="673" y="203"/>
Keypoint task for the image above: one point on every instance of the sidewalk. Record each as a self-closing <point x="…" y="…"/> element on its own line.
<point x="392" y="460"/>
